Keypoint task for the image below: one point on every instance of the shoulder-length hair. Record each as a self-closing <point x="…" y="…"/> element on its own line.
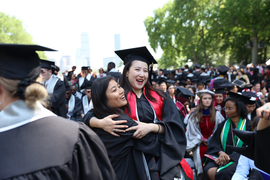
<point x="100" y="99"/>
<point x="148" y="87"/>
<point x="240" y="106"/>
<point x="197" y="115"/>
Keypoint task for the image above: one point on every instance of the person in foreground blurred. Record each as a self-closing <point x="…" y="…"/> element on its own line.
<point x="225" y="160"/>
<point x="127" y="154"/>
<point x="155" y="111"/>
<point x="259" y="151"/>
<point x="36" y="143"/>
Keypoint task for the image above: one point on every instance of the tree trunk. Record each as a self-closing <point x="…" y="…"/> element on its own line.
<point x="204" y="48"/>
<point x="254" y="51"/>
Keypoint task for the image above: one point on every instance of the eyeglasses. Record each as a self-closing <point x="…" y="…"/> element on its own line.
<point x="228" y="109"/>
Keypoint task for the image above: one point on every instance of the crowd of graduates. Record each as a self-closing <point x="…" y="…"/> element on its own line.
<point x="189" y="123"/>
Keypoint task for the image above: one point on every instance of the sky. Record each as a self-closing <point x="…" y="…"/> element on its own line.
<point x="58" y="24"/>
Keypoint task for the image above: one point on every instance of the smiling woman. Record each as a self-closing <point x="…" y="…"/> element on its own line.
<point x="154" y="112"/>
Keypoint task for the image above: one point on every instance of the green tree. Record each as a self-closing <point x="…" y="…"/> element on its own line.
<point x="13" y="32"/>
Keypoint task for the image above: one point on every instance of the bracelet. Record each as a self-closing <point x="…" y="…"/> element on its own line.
<point x="158" y="128"/>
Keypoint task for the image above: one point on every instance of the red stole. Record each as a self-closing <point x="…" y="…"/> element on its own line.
<point x="181" y="108"/>
<point x="158" y="106"/>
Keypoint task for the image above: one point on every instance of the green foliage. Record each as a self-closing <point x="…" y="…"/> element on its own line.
<point x="208" y="31"/>
<point x="13" y="32"/>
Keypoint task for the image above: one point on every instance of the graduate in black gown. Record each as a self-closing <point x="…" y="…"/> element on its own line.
<point x="35" y="143"/>
<point x="223" y="167"/>
<point x="55" y="88"/>
<point x="152" y="108"/>
<point x="127" y="154"/>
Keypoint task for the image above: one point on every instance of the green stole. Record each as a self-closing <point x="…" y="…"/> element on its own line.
<point x="224" y="136"/>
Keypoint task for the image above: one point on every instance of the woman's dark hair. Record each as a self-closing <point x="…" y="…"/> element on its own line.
<point x="99" y="97"/>
<point x="255" y="123"/>
<point x="127" y="87"/>
<point x="240" y="106"/>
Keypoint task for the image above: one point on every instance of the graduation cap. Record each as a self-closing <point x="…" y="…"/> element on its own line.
<point x="190" y="70"/>
<point x="220" y="90"/>
<point x="197" y="65"/>
<point x="170" y="81"/>
<point x="184" y="92"/>
<point x="47" y="64"/>
<point x="242" y="66"/>
<point x="182" y="83"/>
<point x="165" y="72"/>
<point x="203" y="69"/>
<point x="226" y="86"/>
<point x="162" y="80"/>
<point x="19" y="61"/>
<point x="139" y="53"/>
<point x="222" y="69"/>
<point x="238" y="83"/>
<point x="246" y="88"/>
<point x="250" y="97"/>
<point x="85" y="68"/>
<point x="199" y="93"/>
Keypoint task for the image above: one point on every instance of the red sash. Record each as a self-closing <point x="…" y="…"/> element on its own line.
<point x="158" y="106"/>
<point x="181" y="108"/>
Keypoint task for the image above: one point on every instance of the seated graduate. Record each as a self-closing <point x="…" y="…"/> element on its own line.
<point x="183" y="99"/>
<point x="128" y="154"/>
<point x="86" y="100"/>
<point x="75" y="92"/>
<point x="73" y="105"/>
<point x="250" y="101"/>
<point x="224" y="165"/>
<point x="37" y="144"/>
<point x="201" y="124"/>
<point x="258" y="151"/>
<point x="220" y="95"/>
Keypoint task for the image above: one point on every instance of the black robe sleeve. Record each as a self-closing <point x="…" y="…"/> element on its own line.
<point x="57" y="99"/>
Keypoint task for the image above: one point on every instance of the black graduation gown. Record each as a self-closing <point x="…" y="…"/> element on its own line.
<point x="57" y="99"/>
<point x="174" y="134"/>
<point x="214" y="146"/>
<point x="53" y="148"/>
<point x="86" y="82"/>
<point x="77" y="111"/>
<point x="116" y="75"/>
<point x="125" y="152"/>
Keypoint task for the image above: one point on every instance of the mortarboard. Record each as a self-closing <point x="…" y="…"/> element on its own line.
<point x="165" y="72"/>
<point x="246" y="88"/>
<point x="85" y="68"/>
<point x="162" y="80"/>
<point x="226" y="86"/>
<point x="220" y="90"/>
<point x="238" y="83"/>
<point x="47" y="64"/>
<point x="199" y="93"/>
<point x="139" y="53"/>
<point x="184" y="92"/>
<point x="250" y="97"/>
<point x="197" y="65"/>
<point x="222" y="69"/>
<point x="170" y="81"/>
<point x="203" y="69"/>
<point x="19" y="61"/>
<point x="182" y="83"/>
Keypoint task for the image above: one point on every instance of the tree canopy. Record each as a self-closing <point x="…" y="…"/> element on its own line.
<point x="12" y="31"/>
<point x="208" y="31"/>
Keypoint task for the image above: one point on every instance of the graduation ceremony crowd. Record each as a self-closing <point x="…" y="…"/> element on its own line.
<point x="187" y="123"/>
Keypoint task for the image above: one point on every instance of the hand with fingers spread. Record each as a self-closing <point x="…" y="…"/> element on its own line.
<point x="142" y="129"/>
<point x="111" y="126"/>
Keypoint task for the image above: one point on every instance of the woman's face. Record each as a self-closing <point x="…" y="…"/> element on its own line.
<point x="137" y="75"/>
<point x="235" y="89"/>
<point x="219" y="98"/>
<point x="171" y="90"/>
<point x="206" y="100"/>
<point x="115" y="94"/>
<point x="230" y="109"/>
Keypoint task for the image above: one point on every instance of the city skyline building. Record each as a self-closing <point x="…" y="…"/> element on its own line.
<point x="117" y="46"/>
<point x="85" y="48"/>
